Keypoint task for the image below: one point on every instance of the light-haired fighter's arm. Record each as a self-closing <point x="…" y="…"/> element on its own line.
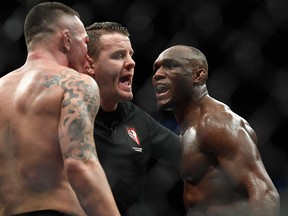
<point x="79" y="108"/>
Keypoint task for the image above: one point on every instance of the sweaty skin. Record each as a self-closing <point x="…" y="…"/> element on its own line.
<point x="34" y="177"/>
<point x="222" y="169"/>
<point x="209" y="160"/>
<point x="48" y="158"/>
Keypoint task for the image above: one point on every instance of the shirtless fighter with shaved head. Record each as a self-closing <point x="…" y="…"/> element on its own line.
<point x="221" y="167"/>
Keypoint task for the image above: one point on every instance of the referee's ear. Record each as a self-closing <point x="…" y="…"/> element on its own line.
<point x="89" y="69"/>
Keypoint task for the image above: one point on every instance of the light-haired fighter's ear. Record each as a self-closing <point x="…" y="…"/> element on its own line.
<point x="89" y="69"/>
<point x="66" y="39"/>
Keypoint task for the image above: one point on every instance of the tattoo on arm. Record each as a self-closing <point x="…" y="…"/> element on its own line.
<point x="79" y="108"/>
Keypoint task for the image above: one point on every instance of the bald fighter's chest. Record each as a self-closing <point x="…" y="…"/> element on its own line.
<point x="195" y="161"/>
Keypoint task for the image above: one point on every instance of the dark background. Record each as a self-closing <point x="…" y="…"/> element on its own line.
<point x="245" y="42"/>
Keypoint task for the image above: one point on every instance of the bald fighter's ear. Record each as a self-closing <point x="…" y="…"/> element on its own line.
<point x="200" y="76"/>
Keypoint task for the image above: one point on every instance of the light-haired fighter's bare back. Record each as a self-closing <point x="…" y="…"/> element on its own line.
<point x="48" y="159"/>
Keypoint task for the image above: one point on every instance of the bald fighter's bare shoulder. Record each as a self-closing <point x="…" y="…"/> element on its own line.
<point x="220" y="159"/>
<point x="219" y="122"/>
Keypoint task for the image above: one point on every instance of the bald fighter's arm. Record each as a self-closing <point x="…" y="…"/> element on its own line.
<point x="79" y="107"/>
<point x="233" y="142"/>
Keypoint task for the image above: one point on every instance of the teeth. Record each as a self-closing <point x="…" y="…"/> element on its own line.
<point x="124" y="81"/>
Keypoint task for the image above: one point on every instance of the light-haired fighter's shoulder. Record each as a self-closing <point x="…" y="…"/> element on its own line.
<point x="78" y="88"/>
